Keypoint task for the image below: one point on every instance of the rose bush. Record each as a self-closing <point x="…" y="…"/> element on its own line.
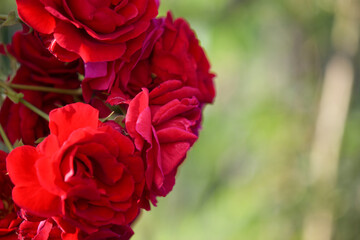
<point x="78" y="176"/>
<point x="85" y="175"/>
<point x="94" y="30"/>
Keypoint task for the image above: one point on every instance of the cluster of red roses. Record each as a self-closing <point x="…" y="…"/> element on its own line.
<point x="146" y="78"/>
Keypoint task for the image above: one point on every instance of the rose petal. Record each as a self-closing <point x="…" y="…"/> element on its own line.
<point x="138" y="119"/>
<point x="88" y="48"/>
<point x="34" y="13"/>
<point x="63" y="121"/>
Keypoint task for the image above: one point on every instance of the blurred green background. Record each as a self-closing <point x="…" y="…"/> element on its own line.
<point x="249" y="176"/>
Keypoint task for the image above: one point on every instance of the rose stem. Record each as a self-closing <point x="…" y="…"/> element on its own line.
<point x="5" y="139"/>
<point x="34" y="109"/>
<point x="9" y="91"/>
<point x="46" y="89"/>
<point x="3" y="16"/>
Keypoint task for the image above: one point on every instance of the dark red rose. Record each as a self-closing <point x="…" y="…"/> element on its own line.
<point x="84" y="175"/>
<point x="9" y="221"/>
<point x="178" y="55"/>
<point x="29" y="51"/>
<point x="163" y="124"/>
<point x="171" y="51"/>
<point x="103" y="75"/>
<point x="94" y="30"/>
<point x="38" y="68"/>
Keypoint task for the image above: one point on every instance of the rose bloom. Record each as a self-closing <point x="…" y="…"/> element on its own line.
<point x="171" y="51"/>
<point x="84" y="175"/>
<point x="163" y="123"/>
<point x="94" y="30"/>
<point x="9" y="221"/>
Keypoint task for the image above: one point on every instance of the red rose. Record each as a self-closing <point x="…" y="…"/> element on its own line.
<point x="171" y="51"/>
<point x="102" y="75"/>
<point x="9" y="220"/>
<point x="163" y="124"/>
<point x="178" y="55"/>
<point x="29" y="51"/>
<point x="85" y="175"/>
<point x="94" y="30"/>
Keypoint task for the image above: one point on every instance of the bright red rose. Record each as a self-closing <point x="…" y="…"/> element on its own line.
<point x="84" y="175"/>
<point x="94" y="30"/>
<point x="9" y="221"/>
<point x="163" y="124"/>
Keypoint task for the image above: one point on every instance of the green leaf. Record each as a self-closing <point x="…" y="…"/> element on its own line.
<point x="81" y="77"/>
<point x="107" y="118"/>
<point x="120" y="120"/>
<point x="14" y="96"/>
<point x="18" y="143"/>
<point x="39" y="140"/>
<point x="10" y="20"/>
